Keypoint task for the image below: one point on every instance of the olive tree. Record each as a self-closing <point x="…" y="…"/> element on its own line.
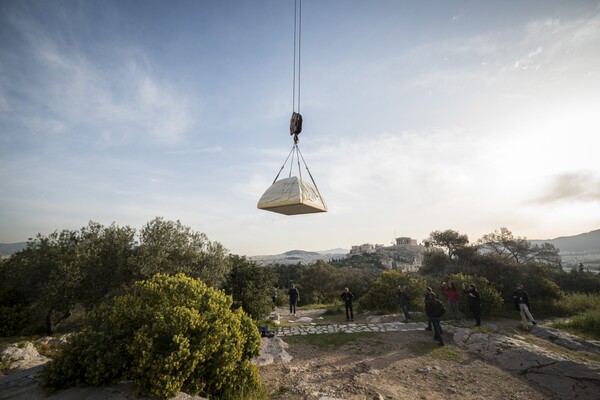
<point x="170" y="247"/>
<point x="251" y="286"/>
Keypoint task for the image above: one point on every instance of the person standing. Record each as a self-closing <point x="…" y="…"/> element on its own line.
<point x="453" y="299"/>
<point x="428" y="293"/>
<point x="274" y="297"/>
<point x="404" y="300"/>
<point x="474" y="302"/>
<point x="294" y="296"/>
<point x="435" y="309"/>
<point x="347" y="297"/>
<point x="521" y="299"/>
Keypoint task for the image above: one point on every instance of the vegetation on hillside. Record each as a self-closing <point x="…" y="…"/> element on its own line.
<point x="167" y="334"/>
<point x="104" y="270"/>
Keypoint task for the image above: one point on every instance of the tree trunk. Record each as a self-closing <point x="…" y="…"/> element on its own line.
<point x="51" y="326"/>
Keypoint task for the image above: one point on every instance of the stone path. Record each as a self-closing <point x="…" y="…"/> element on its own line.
<point x="349" y="327"/>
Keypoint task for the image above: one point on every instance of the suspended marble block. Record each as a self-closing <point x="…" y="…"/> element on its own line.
<point x="292" y="196"/>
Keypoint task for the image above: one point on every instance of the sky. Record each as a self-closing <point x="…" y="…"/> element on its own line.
<point x="418" y="117"/>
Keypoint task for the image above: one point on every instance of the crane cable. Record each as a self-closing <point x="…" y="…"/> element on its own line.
<point x="296" y="120"/>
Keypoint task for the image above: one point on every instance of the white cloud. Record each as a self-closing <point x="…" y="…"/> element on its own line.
<point x="109" y="99"/>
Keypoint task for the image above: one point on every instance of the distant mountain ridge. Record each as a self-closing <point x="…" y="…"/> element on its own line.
<point x="587" y="243"/>
<point x="583" y="243"/>
<point x="300" y="257"/>
<point x="6" y="249"/>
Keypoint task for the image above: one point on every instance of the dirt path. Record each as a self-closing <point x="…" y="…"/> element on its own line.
<point x="390" y="365"/>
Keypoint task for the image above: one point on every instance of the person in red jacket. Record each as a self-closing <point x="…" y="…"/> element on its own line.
<point x="453" y="299"/>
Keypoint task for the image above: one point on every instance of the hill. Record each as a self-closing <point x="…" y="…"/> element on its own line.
<point x="6" y="249"/>
<point x="583" y="243"/>
<point x="300" y="257"/>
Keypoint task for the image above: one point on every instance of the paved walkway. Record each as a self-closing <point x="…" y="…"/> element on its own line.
<point x="349" y="327"/>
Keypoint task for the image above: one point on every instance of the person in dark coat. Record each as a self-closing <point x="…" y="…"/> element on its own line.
<point x="294" y="296"/>
<point x="404" y="300"/>
<point x="428" y="293"/>
<point x="474" y="302"/>
<point x="348" y="297"/>
<point x="521" y="299"/>
<point x="435" y="309"/>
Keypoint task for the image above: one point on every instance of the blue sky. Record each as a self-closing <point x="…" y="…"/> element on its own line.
<point x="418" y="116"/>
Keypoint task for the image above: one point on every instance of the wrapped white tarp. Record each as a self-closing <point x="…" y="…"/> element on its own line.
<point x="291" y="196"/>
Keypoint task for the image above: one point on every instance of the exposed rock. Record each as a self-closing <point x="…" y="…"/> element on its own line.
<point x="22" y="357"/>
<point x="275" y="318"/>
<point x="567" y="379"/>
<point x="273" y="351"/>
<point x="565" y="339"/>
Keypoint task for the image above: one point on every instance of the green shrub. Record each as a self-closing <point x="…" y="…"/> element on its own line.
<point x="14" y="319"/>
<point x="490" y="298"/>
<point x="167" y="334"/>
<point x="586" y="324"/>
<point x="570" y="304"/>
<point x="382" y="295"/>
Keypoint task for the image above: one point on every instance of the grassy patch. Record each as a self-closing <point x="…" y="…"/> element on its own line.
<point x="480" y="329"/>
<point x="586" y="325"/>
<point x="332" y="340"/>
<point x="4" y="362"/>
<point x="432" y="349"/>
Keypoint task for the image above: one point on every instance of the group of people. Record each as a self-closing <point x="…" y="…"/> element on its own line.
<point x="346" y="296"/>
<point x="434" y="308"/>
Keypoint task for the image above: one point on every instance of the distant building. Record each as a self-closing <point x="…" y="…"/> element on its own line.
<point x="365" y="248"/>
<point x="406" y="254"/>
<point x="406" y="241"/>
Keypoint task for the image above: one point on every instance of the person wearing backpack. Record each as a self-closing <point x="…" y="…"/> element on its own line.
<point x="435" y="310"/>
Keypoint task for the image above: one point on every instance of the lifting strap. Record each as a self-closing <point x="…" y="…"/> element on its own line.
<point x="296" y="150"/>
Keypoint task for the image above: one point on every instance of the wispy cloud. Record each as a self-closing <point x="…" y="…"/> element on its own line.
<point x="108" y="98"/>
<point x="582" y="186"/>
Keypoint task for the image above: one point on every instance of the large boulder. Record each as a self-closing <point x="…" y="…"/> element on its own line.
<point x="273" y="351"/>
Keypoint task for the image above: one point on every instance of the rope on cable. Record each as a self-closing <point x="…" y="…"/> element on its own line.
<point x="296" y="120"/>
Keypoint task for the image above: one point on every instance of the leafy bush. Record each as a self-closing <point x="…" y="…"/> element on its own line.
<point x="570" y="304"/>
<point x="586" y="324"/>
<point x="383" y="293"/>
<point x="167" y="334"/>
<point x="491" y="300"/>
<point x="578" y="281"/>
<point x="14" y="319"/>
<point x="251" y="286"/>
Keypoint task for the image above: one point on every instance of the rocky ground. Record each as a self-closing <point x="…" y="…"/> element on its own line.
<point x="499" y="362"/>
<point x="410" y="365"/>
